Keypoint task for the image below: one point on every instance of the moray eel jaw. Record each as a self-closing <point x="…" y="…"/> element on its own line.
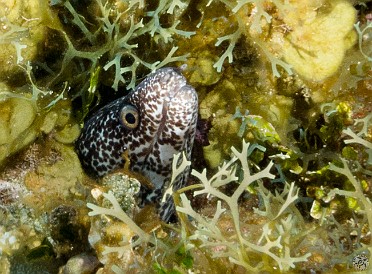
<point x="152" y="123"/>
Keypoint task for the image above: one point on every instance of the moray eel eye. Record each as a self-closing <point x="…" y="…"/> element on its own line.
<point x="129" y="117"/>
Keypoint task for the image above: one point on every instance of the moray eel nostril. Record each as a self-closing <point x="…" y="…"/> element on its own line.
<point x="152" y="123"/>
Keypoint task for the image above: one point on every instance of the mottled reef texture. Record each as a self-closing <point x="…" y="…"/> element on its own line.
<point x="291" y="78"/>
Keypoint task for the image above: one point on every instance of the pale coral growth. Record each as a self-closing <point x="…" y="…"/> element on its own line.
<point x="118" y="43"/>
<point x="155" y="28"/>
<point x="178" y="168"/>
<point x="177" y="3"/>
<point x="354" y="69"/>
<point x="275" y="238"/>
<point x="13" y="34"/>
<point x="357" y="193"/>
<point x="37" y="92"/>
<point x="232" y="38"/>
<point x="254" y="20"/>
<point x="357" y="64"/>
<point x="275" y="241"/>
<point x="311" y="39"/>
<point x="24" y="26"/>
<point x="357" y="138"/>
<point x="77" y="20"/>
<point x="132" y="3"/>
<point x="365" y="39"/>
<point x="117" y="212"/>
<point x="276" y="246"/>
<point x="258" y="12"/>
<point x="275" y="205"/>
<point x="366" y="122"/>
<point x="274" y="61"/>
<point x="121" y="244"/>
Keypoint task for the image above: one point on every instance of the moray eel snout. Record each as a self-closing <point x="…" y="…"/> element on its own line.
<point x="152" y="123"/>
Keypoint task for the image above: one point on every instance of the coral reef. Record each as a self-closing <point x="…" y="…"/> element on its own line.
<point x="17" y="116"/>
<point x="283" y="182"/>
<point x="285" y="239"/>
<point x="277" y="236"/>
<point x="82" y="263"/>
<point x="307" y="47"/>
<point x="20" y="38"/>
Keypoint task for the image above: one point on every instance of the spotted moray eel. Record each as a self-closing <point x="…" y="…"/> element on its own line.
<point x="152" y="123"/>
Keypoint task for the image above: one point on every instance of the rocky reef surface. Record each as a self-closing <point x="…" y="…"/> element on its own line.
<point x="282" y="165"/>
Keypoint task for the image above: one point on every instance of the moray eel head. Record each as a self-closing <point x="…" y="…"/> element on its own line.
<point x="152" y="123"/>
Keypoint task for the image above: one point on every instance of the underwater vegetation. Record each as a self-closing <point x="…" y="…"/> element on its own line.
<point x="281" y="183"/>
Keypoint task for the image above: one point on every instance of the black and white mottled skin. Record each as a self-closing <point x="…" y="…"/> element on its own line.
<point x="167" y="110"/>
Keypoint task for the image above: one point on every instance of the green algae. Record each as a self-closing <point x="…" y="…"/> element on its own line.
<point x="307" y="46"/>
<point x="235" y="53"/>
<point x="124" y="188"/>
<point x="16" y="119"/>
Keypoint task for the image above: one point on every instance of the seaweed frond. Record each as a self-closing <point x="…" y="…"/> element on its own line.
<point x="13" y="34"/>
<point x="117" y="212"/>
<point x="257" y="12"/>
<point x="274" y="241"/>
